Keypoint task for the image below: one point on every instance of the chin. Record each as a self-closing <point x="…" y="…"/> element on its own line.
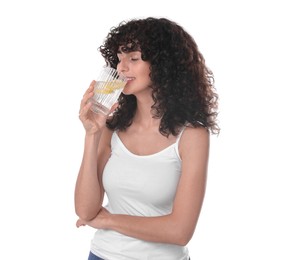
<point x="126" y="91"/>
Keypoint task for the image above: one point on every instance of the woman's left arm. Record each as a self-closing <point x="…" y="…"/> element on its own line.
<point x="177" y="227"/>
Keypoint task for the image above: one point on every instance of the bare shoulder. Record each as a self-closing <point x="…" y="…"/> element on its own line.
<point x="194" y="140"/>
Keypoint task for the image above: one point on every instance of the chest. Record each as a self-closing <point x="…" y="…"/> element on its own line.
<point x="146" y="180"/>
<point x="146" y="143"/>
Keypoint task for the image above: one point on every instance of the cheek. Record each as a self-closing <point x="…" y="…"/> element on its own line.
<point x="143" y="82"/>
<point x="145" y="74"/>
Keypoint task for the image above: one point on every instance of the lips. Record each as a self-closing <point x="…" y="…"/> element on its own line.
<point x="130" y="78"/>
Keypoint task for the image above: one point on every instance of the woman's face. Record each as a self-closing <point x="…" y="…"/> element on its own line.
<point x="136" y="70"/>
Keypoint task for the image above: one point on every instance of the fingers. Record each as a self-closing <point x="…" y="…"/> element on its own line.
<point x="84" y="110"/>
<point x="87" y="95"/>
<point x="80" y="223"/>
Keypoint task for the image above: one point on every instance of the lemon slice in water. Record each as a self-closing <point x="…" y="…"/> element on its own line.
<point x="110" y="87"/>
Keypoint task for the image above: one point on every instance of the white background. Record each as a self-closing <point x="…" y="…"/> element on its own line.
<point x="48" y="56"/>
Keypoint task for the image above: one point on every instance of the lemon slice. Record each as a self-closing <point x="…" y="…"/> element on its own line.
<point x="110" y="87"/>
<point x="104" y="91"/>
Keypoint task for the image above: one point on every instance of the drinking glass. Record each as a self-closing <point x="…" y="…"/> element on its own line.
<point x="107" y="89"/>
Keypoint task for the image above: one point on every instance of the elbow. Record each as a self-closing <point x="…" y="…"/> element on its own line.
<point x="182" y="241"/>
<point x="86" y="215"/>
<point x="182" y="238"/>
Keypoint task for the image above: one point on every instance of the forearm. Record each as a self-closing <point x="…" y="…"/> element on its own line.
<point x="162" y="229"/>
<point x="88" y="193"/>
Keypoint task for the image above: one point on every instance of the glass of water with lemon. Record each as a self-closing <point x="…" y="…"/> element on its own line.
<point x="107" y="89"/>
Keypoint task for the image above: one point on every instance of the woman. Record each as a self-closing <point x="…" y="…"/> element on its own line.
<point x="150" y="155"/>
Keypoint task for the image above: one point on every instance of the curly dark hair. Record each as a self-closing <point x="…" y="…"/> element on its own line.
<point x="182" y="86"/>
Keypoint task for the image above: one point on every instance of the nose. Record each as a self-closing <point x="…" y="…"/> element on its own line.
<point x="122" y="66"/>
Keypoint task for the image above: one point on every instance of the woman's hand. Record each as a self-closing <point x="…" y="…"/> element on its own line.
<point x="99" y="222"/>
<point x="91" y="121"/>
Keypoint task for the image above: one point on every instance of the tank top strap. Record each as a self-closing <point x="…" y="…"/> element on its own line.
<point x="177" y="142"/>
<point x="180" y="134"/>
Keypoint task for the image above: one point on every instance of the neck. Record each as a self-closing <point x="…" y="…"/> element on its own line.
<point x="143" y="116"/>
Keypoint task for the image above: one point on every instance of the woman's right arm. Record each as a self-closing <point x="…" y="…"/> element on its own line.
<point x="89" y="191"/>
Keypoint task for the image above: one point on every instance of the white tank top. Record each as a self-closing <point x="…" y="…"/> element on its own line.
<point x="139" y="186"/>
